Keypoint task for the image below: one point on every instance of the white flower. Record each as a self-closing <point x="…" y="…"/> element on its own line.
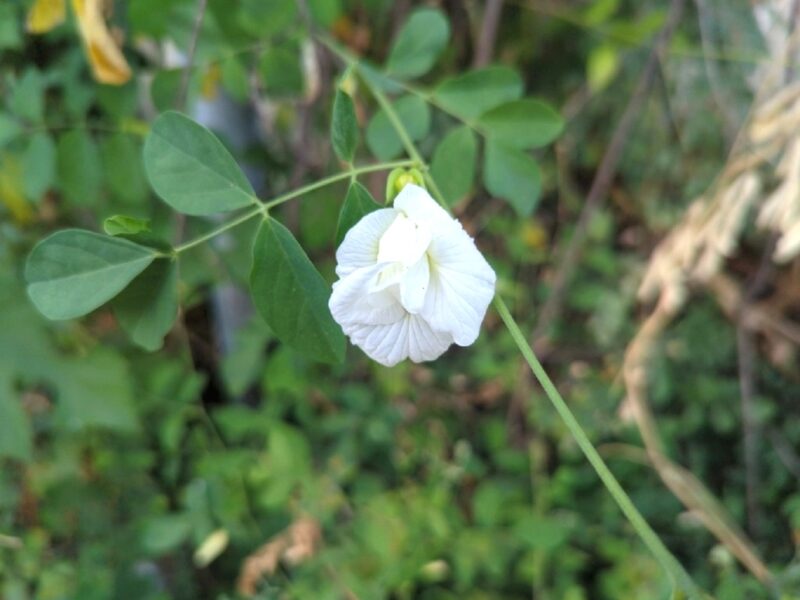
<point x="411" y="282"/>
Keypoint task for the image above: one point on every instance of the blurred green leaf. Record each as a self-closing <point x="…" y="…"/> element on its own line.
<point x="512" y="175"/>
<point x="95" y="390"/>
<point x="165" y="533"/>
<point x="453" y="164"/>
<point x="602" y="65"/>
<point x="419" y="43"/>
<point x="9" y="129"/>
<point x="72" y="272"/>
<point x="122" y="161"/>
<point x="266" y="19"/>
<point x="525" y="123"/>
<point x="16" y="437"/>
<point x="191" y="170"/>
<point x="148" y="307"/>
<point x="344" y="127"/>
<point x="235" y="79"/>
<point x="10" y="35"/>
<point x="27" y="96"/>
<point x="325" y="12"/>
<point x="281" y="71"/>
<point x="292" y="296"/>
<point x="382" y="138"/>
<point x="39" y="166"/>
<point x="358" y="203"/>
<point x="473" y="93"/>
<point x="79" y="168"/>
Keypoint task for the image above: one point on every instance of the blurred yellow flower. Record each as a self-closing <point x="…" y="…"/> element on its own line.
<point x="105" y="57"/>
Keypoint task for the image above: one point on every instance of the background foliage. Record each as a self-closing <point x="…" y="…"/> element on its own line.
<point x="220" y="462"/>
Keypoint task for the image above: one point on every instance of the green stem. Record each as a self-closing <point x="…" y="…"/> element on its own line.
<point x="670" y="564"/>
<point x="646" y="533"/>
<point x="264" y="208"/>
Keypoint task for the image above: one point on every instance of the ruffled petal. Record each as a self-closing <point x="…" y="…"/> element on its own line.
<point x="360" y="245"/>
<point x="408" y="337"/>
<point x="414" y="286"/>
<point x="353" y="301"/>
<point x="461" y="287"/>
<point x="418" y="205"/>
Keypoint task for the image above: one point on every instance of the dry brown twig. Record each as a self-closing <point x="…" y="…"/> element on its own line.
<point x="693" y="254"/>
<point x="295" y="544"/>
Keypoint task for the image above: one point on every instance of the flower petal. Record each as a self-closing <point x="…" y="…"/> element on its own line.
<point x="409" y="337"/>
<point x="360" y="245"/>
<point x="461" y="287"/>
<point x="414" y="286"/>
<point x="354" y="303"/>
<point x="416" y="203"/>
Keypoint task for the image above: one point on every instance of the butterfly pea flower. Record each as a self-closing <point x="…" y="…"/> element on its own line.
<point x="411" y="281"/>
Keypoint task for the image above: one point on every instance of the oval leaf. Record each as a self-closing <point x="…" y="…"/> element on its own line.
<point x="453" y="164"/>
<point x="382" y="138"/>
<point x="418" y="44"/>
<point x="471" y="94"/>
<point x="39" y="166"/>
<point x="125" y="225"/>
<point x="357" y="203"/>
<point x="344" y="127"/>
<point x="72" y="272"/>
<point x="191" y="170"/>
<point x="79" y="168"/>
<point x="523" y="123"/>
<point x="512" y="175"/>
<point x="292" y="296"/>
<point x="147" y="308"/>
<point x="282" y="72"/>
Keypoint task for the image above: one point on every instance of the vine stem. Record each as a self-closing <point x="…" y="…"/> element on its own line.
<point x="646" y="533"/>
<point x="679" y="576"/>
<point x="263" y="208"/>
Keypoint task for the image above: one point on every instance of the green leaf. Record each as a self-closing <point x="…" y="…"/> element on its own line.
<point x="382" y="138"/>
<point x="122" y="161"/>
<point x="344" y="127"/>
<point x="325" y="12"/>
<point x="147" y="308"/>
<point x="419" y="43"/>
<point x="72" y="272"/>
<point x="10" y="35"/>
<point x="79" y="168"/>
<point x="292" y="296"/>
<point x="39" y="166"/>
<point x="191" y="170"/>
<point x="16" y="437"/>
<point x="95" y="390"/>
<point x="357" y="203"/>
<point x="166" y="85"/>
<point x="453" y="164"/>
<point x="125" y="225"/>
<point x="523" y="123"/>
<point x="602" y="65"/>
<point x="265" y="19"/>
<point x="165" y="533"/>
<point x="281" y="72"/>
<point x="512" y="175"/>
<point x="235" y="79"/>
<point x="27" y="96"/>
<point x="9" y="129"/>
<point x="473" y="93"/>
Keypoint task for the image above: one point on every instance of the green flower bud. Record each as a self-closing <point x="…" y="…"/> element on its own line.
<point x="398" y="179"/>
